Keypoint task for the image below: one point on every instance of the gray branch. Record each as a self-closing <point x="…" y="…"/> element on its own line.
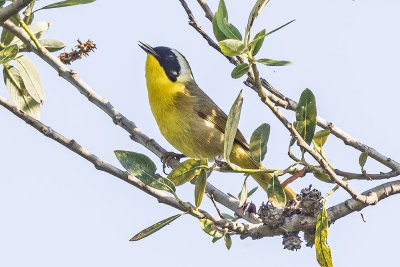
<point x="12" y="9"/>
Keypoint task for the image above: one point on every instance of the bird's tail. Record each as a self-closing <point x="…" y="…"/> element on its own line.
<point x="242" y="158"/>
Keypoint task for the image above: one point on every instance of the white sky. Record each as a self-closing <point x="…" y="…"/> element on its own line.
<point x="58" y="210"/>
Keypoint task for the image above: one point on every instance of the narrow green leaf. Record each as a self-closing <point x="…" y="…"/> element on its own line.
<point x="228" y="241"/>
<point x="275" y="192"/>
<point x="232" y="47"/>
<point x="18" y="93"/>
<point x="323" y="252"/>
<point x="28" y="14"/>
<point x="252" y="191"/>
<point x="219" y="35"/>
<point x="258" y="142"/>
<point x="52" y="45"/>
<point x="209" y="227"/>
<point x="240" y="70"/>
<point x="200" y="187"/>
<point x="186" y="171"/>
<point x="31" y="79"/>
<point x="273" y="62"/>
<point x="154" y="228"/>
<point x="258" y="6"/>
<point x="320" y="137"/>
<point x="243" y="194"/>
<point x="8" y="53"/>
<point x="231" y="126"/>
<point x="227" y="216"/>
<point x="144" y="169"/>
<point x="215" y="239"/>
<point x="221" y="16"/>
<point x="257" y="42"/>
<point x="280" y="27"/>
<point x="306" y="116"/>
<point x="66" y="3"/>
<point x="37" y="29"/>
<point x="323" y="177"/>
<point x="362" y="160"/>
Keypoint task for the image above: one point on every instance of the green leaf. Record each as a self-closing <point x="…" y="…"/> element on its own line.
<point x="324" y="256"/>
<point x="215" y="239"/>
<point x="252" y="191"/>
<point x="31" y="79"/>
<point x="232" y="47"/>
<point x="273" y="62"/>
<point x="277" y="29"/>
<point x="8" y="53"/>
<point x="66" y="3"/>
<point x="243" y="194"/>
<point x="306" y="116"/>
<point x="144" y="169"/>
<point x="231" y="126"/>
<point x="52" y="45"/>
<point x="209" y="227"/>
<point x="37" y="29"/>
<point x="28" y="14"/>
<point x="200" y="187"/>
<point x="320" y="137"/>
<point x="258" y="6"/>
<point x="18" y="93"/>
<point x="323" y="177"/>
<point x="227" y="216"/>
<point x="219" y="35"/>
<point x="186" y="171"/>
<point x="258" y="142"/>
<point x="155" y="227"/>
<point x="228" y="241"/>
<point x="221" y="16"/>
<point x="240" y="70"/>
<point x="257" y="42"/>
<point x="362" y="160"/>
<point x="275" y="192"/>
<point x="6" y="36"/>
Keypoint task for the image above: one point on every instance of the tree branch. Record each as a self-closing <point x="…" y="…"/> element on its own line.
<point x="12" y="9"/>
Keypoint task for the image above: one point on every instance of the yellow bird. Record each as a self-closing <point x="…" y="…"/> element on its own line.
<point x="187" y="117"/>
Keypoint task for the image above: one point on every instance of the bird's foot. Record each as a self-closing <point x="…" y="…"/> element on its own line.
<point x="166" y="158"/>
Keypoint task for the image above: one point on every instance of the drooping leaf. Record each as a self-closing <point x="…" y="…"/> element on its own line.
<point x="323" y="252"/>
<point x="257" y="42"/>
<point x="258" y="142"/>
<point x="306" y="116"/>
<point x="18" y="94"/>
<point x="200" y="187"/>
<point x="320" y="137"/>
<point x="186" y="171"/>
<point x="52" y="45"/>
<point x="362" y="160"/>
<point x="232" y="47"/>
<point x="221" y="16"/>
<point x="209" y="227"/>
<point x="258" y="6"/>
<point x="228" y="241"/>
<point x="31" y="79"/>
<point x="8" y="53"/>
<point x="37" y="29"/>
<point x="66" y="3"/>
<point x="275" y="192"/>
<point x="243" y="194"/>
<point x="323" y="177"/>
<point x="252" y="191"/>
<point x="231" y="126"/>
<point x="273" y="62"/>
<point x="154" y="228"/>
<point x="240" y="70"/>
<point x="144" y="169"/>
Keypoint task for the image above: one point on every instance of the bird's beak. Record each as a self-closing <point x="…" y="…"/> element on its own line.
<point x="148" y="49"/>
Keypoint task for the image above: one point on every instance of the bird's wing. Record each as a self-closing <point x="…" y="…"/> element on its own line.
<point x="212" y="113"/>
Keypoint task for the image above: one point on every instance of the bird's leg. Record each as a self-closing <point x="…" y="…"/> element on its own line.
<point x="166" y="157"/>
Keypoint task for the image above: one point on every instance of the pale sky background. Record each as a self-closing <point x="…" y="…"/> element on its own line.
<point x="56" y="209"/>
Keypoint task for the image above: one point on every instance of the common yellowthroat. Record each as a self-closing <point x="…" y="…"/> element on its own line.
<point x="187" y="117"/>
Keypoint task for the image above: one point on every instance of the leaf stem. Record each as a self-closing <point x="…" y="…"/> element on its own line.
<point x="28" y="31"/>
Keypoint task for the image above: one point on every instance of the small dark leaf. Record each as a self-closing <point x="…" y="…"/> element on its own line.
<point x="323" y="177"/>
<point x="200" y="187"/>
<point x="240" y="70"/>
<point x="252" y="191"/>
<point x="232" y="47"/>
<point x="154" y="228"/>
<point x="275" y="192"/>
<point x="273" y="62"/>
<point x="257" y="42"/>
<point x="231" y="126"/>
<point x="144" y="169"/>
<point x="320" y="137"/>
<point x="323" y="252"/>
<point x="363" y="159"/>
<point x="258" y="142"/>
<point x="227" y="216"/>
<point x="209" y="227"/>
<point x="306" y="116"/>
<point x="66" y="3"/>
<point x="228" y="241"/>
<point x="186" y="171"/>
